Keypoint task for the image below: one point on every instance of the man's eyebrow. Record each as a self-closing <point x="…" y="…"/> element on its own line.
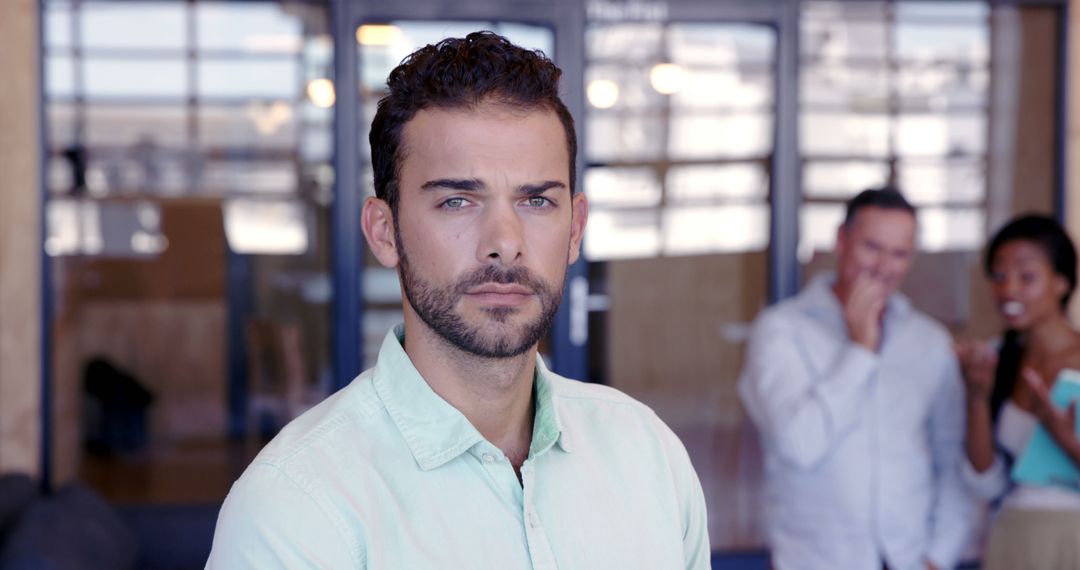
<point x="534" y="189"/>
<point x="467" y="185"/>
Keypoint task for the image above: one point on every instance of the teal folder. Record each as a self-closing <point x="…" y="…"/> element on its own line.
<point x="1043" y="462"/>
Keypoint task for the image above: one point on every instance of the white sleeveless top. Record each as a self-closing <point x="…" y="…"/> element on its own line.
<point x="1015" y="427"/>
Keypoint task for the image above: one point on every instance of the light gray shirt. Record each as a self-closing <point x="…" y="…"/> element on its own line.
<point x="862" y="449"/>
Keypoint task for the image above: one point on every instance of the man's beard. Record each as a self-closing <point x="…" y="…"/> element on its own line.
<point x="436" y="307"/>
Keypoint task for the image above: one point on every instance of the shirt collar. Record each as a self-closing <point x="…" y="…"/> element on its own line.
<point x="819" y="296"/>
<point x="437" y="432"/>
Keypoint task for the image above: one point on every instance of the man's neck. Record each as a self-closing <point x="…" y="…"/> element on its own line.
<point x="494" y="394"/>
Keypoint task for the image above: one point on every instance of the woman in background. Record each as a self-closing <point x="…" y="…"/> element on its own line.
<point x="1031" y="264"/>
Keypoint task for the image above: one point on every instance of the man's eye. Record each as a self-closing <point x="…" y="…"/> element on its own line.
<point x="538" y="201"/>
<point x="454" y="203"/>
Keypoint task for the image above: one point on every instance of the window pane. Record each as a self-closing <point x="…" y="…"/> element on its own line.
<point x="716" y="183"/>
<point x="57" y="25"/>
<point x="941" y="87"/>
<point x="59" y="76"/>
<point x="270" y="177"/>
<point x="951" y="229"/>
<point x="934" y="43"/>
<point x="846" y="87"/>
<point x="131" y="125"/>
<point x="136" y="78"/>
<point x="737" y="228"/>
<point x="849" y="134"/>
<point x="842" y="179"/>
<point x="138" y="25"/>
<point x="622" y="187"/>
<point x="732" y="135"/>
<point x="620" y="234"/>
<point x="713" y="45"/>
<point x="941" y="134"/>
<point x="248" y="78"/>
<point x="942" y="10"/>
<point x="256" y="26"/>
<point x="255" y="125"/>
<point x="828" y="36"/>
<point x="612" y="137"/>
<point x="937" y="182"/>
<point x="624" y="42"/>
<point x="724" y="88"/>
<point x="817" y="228"/>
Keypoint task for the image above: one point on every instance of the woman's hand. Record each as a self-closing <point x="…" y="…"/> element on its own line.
<point x="1061" y="424"/>
<point x="978" y="361"/>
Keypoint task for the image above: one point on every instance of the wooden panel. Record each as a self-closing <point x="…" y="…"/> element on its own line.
<point x="176" y="349"/>
<point x="192" y="267"/>
<point x="1072" y="144"/>
<point x="20" y="245"/>
<point x="1036" y="120"/>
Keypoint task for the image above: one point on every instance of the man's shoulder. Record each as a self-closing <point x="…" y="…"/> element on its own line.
<point x="338" y="419"/>
<point x="604" y="408"/>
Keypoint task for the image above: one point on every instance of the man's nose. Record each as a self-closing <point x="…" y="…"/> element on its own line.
<point x="501" y="238"/>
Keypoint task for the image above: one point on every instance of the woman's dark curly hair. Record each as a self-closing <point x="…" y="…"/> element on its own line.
<point x="462" y="73"/>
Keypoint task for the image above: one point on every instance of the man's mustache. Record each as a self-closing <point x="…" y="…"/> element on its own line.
<point x="503" y="276"/>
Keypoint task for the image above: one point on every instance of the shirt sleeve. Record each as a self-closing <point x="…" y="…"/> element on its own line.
<point x="269" y="521"/>
<point x="989" y="484"/>
<point x="956" y="510"/>
<point x="800" y="413"/>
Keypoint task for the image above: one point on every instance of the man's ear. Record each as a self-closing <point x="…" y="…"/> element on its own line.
<point x="377" y="222"/>
<point x="579" y="215"/>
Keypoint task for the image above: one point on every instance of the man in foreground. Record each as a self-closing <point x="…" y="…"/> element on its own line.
<point x="858" y="401"/>
<point x="459" y="449"/>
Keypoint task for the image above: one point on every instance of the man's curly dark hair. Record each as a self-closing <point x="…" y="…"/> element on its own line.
<point x="462" y="73"/>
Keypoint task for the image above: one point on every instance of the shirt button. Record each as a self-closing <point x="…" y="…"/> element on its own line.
<point x="533" y="521"/>
<point x="489" y="458"/>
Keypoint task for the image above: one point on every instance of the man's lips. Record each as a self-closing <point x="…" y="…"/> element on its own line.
<point x="500" y="293"/>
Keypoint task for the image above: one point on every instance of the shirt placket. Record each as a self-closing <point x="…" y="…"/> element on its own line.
<point x="539" y="547"/>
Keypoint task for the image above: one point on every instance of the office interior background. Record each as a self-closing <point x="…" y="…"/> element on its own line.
<point x="181" y="183"/>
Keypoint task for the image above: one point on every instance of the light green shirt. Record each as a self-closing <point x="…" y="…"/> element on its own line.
<point x="385" y="474"/>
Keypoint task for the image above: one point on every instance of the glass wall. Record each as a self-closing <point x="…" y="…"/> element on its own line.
<point x="189" y="181"/>
<point x="679" y="153"/>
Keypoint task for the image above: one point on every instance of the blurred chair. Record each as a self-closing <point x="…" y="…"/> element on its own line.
<point x="275" y="375"/>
